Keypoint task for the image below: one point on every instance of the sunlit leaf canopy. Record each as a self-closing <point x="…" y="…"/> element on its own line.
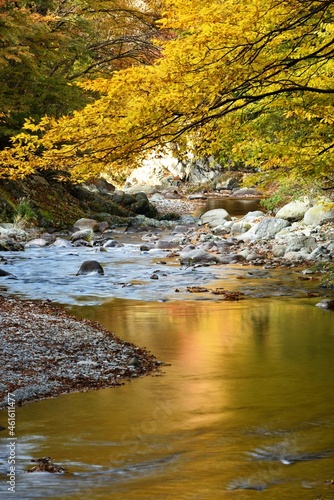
<point x="247" y="80"/>
<point x="49" y="46"/>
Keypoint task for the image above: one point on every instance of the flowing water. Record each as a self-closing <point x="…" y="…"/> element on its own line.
<point x="244" y="409"/>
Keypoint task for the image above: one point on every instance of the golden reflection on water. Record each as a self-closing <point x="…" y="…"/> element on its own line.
<point x="248" y="381"/>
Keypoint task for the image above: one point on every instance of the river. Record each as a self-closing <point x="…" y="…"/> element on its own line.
<point x="243" y="410"/>
<point x="234" y="206"/>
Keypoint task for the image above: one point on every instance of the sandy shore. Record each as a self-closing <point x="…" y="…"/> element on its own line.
<point x="45" y="352"/>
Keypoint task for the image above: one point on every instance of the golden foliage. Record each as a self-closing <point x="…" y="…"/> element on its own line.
<point x="253" y="78"/>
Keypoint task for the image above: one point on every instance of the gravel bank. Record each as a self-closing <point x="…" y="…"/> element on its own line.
<point x="45" y="352"/>
<point x="177" y="206"/>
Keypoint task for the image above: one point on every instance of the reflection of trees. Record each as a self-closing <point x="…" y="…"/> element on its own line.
<point x="233" y="206"/>
<point x="189" y="325"/>
<point x="228" y="360"/>
<point x="260" y="321"/>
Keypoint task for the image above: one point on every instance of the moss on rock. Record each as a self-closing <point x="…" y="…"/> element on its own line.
<point x="58" y="204"/>
<point x="328" y="280"/>
<point x="327" y="270"/>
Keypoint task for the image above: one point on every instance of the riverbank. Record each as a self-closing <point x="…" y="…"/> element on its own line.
<point x="45" y="352"/>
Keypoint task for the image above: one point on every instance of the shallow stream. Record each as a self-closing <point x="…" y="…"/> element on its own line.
<point x="245" y="410"/>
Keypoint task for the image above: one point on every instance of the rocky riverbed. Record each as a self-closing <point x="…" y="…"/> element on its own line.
<point x="45" y="352"/>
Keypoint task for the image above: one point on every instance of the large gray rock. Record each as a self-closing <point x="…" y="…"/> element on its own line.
<point x="136" y="202"/>
<point x="297" y="243"/>
<point x="232" y="183"/>
<point x="168" y="243"/>
<point x="140" y="204"/>
<point x="36" y="243"/>
<point x="223" y="229"/>
<point x="320" y="213"/>
<point x="266" y="229"/>
<point x="228" y="185"/>
<point x="232" y="258"/>
<point x="180" y="229"/>
<point x="83" y="223"/>
<point x="197" y="256"/>
<point x="146" y="223"/>
<point x="83" y="234"/>
<point x="157" y="197"/>
<point x="215" y="217"/>
<point x="278" y="250"/>
<point x="295" y="210"/>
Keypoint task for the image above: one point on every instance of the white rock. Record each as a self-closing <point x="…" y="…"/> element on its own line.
<point x="320" y="213"/>
<point x="295" y="210"/>
<point x="240" y="227"/>
<point x="296" y="256"/>
<point x="166" y="168"/>
<point x="61" y="243"/>
<point x="35" y="243"/>
<point x="252" y="216"/>
<point x="87" y="362"/>
<point x="215" y="217"/>
<point x="12" y="232"/>
<point x="86" y="224"/>
<point x="157" y="197"/>
<point x="266" y="229"/>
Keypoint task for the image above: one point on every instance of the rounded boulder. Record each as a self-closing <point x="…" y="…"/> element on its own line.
<point x="90" y="267"/>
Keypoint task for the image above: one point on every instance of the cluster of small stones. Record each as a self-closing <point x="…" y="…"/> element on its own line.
<point x="44" y="352"/>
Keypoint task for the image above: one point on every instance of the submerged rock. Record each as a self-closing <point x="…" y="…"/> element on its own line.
<point x="112" y="244"/>
<point x="5" y="273"/>
<point x="90" y="267"/>
<point x="45" y="464"/>
<point x="326" y="304"/>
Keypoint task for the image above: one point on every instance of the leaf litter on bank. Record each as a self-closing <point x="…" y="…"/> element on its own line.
<point x="45" y="352"/>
